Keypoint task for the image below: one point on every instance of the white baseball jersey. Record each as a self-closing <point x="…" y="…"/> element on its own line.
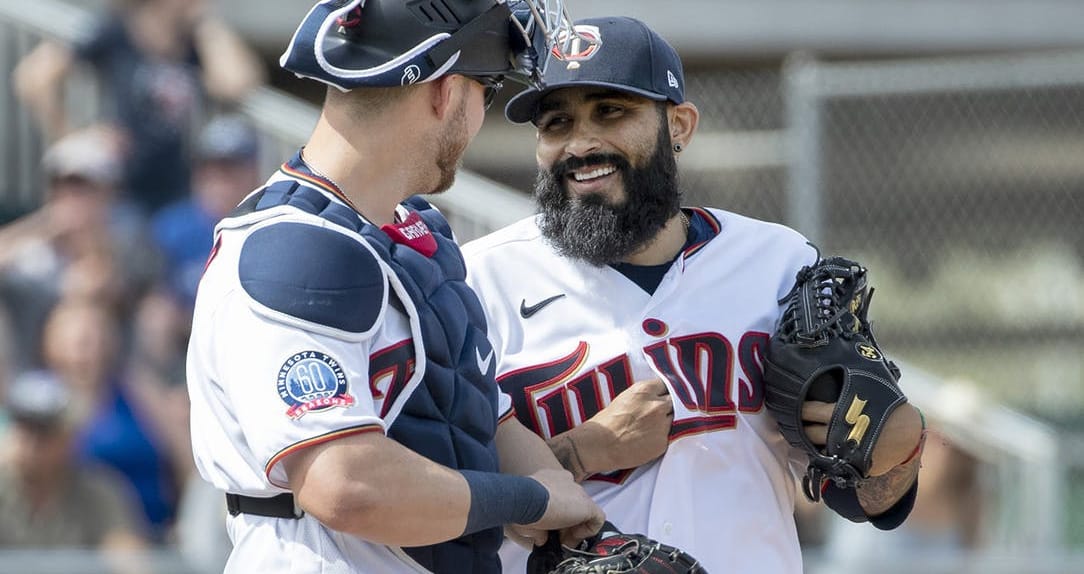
<point x="569" y="336"/>
<point x="264" y="384"/>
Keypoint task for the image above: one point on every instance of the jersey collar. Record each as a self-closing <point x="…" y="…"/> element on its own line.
<point x="296" y="168"/>
<point x="703" y="227"/>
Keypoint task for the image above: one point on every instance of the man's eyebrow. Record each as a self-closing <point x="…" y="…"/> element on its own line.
<point x="550" y="104"/>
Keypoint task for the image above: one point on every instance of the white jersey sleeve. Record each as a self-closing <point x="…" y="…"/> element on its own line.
<point x="298" y="386"/>
<point x="267" y="380"/>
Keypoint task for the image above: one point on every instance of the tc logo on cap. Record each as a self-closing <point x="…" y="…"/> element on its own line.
<point x="578" y="49"/>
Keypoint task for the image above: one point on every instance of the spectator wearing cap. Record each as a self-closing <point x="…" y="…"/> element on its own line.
<point x="227" y="170"/>
<point x="46" y="500"/>
<point x="78" y="243"/>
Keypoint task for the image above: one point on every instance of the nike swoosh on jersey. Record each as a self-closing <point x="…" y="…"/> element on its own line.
<point x="483" y="364"/>
<point x="526" y="312"/>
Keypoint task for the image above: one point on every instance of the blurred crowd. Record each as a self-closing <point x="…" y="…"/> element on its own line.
<point x="94" y="309"/>
<point x="97" y="282"/>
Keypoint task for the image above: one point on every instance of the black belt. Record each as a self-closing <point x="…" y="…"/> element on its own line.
<point x="281" y="506"/>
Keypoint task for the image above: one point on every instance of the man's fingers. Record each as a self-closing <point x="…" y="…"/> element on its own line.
<point x="526" y="537"/>
<point x="572" y="536"/>
<point x="654" y="386"/>
<point x="818" y="434"/>
<point x="538" y="537"/>
<point x="817" y="412"/>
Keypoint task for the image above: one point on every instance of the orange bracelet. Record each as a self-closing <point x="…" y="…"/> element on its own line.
<point x="921" y="440"/>
<point x="918" y="449"/>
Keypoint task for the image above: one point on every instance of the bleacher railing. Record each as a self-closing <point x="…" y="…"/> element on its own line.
<point x="474" y="205"/>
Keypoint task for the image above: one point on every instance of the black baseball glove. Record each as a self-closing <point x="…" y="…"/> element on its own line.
<point x="611" y="552"/>
<point x="823" y="350"/>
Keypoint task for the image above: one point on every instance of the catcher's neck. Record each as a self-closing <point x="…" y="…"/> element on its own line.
<point x="666" y="244"/>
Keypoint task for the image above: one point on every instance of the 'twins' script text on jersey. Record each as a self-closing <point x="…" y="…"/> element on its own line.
<point x="702" y="333"/>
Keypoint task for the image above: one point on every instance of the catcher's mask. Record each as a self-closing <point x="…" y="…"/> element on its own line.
<point x="382" y="43"/>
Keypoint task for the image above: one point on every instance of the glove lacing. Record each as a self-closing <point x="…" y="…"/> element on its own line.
<point x="809" y="315"/>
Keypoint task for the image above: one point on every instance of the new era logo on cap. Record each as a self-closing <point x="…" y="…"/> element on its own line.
<point x="671" y="80"/>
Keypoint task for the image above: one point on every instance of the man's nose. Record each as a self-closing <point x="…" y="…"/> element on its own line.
<point x="582" y="141"/>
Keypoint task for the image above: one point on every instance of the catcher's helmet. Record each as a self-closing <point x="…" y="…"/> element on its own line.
<point x="359" y="43"/>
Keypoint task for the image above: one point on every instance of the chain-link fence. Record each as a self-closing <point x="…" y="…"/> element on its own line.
<point x="958" y="181"/>
<point x="737" y="159"/>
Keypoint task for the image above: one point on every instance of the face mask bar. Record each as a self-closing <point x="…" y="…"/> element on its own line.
<point x="545" y="20"/>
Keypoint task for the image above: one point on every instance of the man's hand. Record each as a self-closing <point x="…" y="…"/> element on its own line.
<point x="896" y="444"/>
<point x="570" y="510"/>
<point x="631" y="431"/>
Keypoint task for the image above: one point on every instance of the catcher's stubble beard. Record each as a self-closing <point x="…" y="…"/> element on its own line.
<point x="591" y="229"/>
<point x="451" y="145"/>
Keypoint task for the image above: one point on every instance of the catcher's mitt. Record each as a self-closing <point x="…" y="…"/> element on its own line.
<point x="824" y="350"/>
<point x="611" y="552"/>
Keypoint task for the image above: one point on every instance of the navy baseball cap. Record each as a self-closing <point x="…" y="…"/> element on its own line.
<point x="625" y="55"/>
<point x="228" y="138"/>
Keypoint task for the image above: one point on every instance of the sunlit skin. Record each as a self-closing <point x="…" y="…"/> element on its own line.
<point x="466" y="123"/>
<point x="576" y="123"/>
<point x="437" y="123"/>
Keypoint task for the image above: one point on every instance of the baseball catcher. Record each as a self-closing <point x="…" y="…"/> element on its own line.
<point x="824" y="350"/>
<point x="611" y="552"/>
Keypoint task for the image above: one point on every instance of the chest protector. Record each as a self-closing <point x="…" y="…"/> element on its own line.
<point x="451" y="416"/>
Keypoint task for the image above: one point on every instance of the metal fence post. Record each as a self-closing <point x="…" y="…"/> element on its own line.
<point x="803" y="209"/>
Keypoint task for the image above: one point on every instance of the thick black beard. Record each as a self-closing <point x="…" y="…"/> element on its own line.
<point x="591" y="229"/>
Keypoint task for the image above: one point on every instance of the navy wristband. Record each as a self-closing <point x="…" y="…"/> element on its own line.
<point x="499" y="499"/>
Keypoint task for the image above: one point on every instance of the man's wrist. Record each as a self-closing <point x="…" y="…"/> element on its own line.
<point x="582" y="450"/>
<point x="567" y="452"/>
<point x="917" y="452"/>
<point x="497" y="499"/>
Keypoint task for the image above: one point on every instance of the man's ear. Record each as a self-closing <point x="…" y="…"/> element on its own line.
<point x="684" y="118"/>
<point x="442" y="92"/>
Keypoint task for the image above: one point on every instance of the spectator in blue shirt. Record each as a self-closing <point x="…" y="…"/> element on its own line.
<point x="227" y="170"/>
